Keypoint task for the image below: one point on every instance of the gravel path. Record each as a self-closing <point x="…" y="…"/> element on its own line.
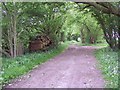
<point x="74" y="68"/>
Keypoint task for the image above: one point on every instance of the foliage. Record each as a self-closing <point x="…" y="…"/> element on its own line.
<point x="23" y="21"/>
<point x="49" y="19"/>
<point x="82" y="25"/>
<point x="96" y="44"/>
<point x="60" y="22"/>
<point x="91" y="30"/>
<point x="110" y="26"/>
<point x="12" y="68"/>
<point x="108" y="63"/>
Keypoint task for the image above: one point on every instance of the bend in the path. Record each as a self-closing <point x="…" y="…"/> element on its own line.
<point x="74" y="68"/>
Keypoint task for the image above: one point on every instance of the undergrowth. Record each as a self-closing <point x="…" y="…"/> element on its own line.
<point x="108" y="63"/>
<point x="15" y="67"/>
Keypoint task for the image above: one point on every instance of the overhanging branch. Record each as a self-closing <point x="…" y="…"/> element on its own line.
<point x="104" y="7"/>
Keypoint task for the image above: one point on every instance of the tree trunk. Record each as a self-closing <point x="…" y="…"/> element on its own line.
<point x="119" y="34"/>
<point x="10" y="41"/>
<point x="82" y="36"/>
<point x="14" y="37"/>
<point x="20" y="49"/>
<point x="14" y="32"/>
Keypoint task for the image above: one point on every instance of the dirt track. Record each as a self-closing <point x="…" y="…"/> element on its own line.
<point x="74" y="68"/>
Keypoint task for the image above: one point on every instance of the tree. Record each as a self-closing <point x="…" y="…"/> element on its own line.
<point x="106" y="13"/>
<point x="82" y="23"/>
<point x="23" y="21"/>
<point x="105" y="7"/>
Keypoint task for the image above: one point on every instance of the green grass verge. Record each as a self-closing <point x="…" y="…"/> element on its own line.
<point x="108" y="63"/>
<point x="96" y="44"/>
<point x="14" y="67"/>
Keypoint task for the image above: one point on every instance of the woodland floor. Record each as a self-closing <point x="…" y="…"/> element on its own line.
<point x="76" y="67"/>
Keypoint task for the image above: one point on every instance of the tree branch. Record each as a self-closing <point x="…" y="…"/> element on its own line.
<point x="4" y="52"/>
<point x="103" y="7"/>
<point x="5" y="6"/>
